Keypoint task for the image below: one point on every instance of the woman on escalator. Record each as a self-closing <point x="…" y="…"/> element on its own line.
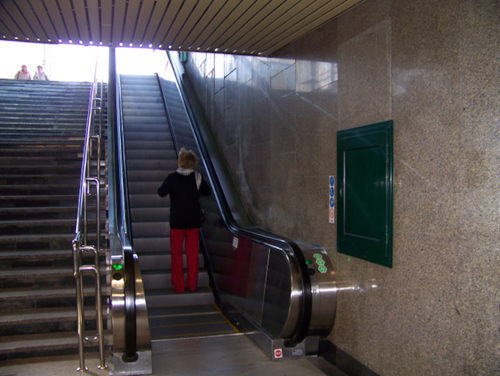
<point x="185" y="187"/>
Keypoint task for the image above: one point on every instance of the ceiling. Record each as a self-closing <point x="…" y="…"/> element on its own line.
<point x="249" y="27"/>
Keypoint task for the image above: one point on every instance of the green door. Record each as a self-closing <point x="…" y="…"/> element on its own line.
<point x="365" y="173"/>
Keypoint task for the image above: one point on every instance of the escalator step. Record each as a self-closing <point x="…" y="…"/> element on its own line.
<point x="190" y="326"/>
<point x="196" y="309"/>
<point x="170" y="298"/>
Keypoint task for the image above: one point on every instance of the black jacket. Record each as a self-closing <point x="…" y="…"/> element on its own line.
<point x="184" y="205"/>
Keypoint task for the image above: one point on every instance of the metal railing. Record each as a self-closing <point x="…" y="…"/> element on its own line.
<point x="81" y="242"/>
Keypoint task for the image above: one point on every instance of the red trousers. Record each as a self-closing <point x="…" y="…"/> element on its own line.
<point x="191" y="237"/>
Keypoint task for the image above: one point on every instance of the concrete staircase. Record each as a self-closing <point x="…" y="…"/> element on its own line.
<point x="151" y="156"/>
<point x="42" y="129"/>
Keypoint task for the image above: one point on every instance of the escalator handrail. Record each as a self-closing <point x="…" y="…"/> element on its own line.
<point x="254" y="234"/>
<point x="167" y="113"/>
<point x="124" y="233"/>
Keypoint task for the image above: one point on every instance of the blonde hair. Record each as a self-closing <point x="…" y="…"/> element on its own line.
<point x="187" y="159"/>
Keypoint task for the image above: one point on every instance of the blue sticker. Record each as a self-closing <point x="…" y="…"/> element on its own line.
<point x="332" y="203"/>
<point x="332" y="180"/>
<point x="331" y="191"/>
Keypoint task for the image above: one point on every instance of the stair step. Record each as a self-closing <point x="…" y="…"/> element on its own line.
<point x="46" y="202"/>
<point x="48" y="292"/>
<point x="22" y="240"/>
<point x="42" y="223"/>
<point x="45" y="315"/>
<point x="35" y="254"/>
<point x="44" y="227"/>
<point x="47" y="342"/>
<point x="36" y="272"/>
<point x="40" y="188"/>
<point x="41" y="140"/>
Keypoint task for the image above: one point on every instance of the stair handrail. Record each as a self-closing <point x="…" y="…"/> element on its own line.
<point x="80" y="243"/>
<point x="251" y="233"/>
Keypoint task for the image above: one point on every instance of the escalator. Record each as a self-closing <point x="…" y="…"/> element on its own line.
<point x="277" y="291"/>
<point x="150" y="155"/>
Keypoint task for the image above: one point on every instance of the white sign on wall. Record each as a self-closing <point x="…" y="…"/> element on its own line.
<point x="332" y="200"/>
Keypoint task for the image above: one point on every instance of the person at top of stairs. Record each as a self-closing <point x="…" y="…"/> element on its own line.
<point x="185" y="187"/>
<point x="40" y="75"/>
<point x="23" y="74"/>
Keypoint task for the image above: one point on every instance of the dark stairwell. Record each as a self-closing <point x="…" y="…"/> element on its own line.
<point x="42" y="130"/>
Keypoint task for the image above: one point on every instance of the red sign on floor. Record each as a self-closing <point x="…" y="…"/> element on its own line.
<point x="278" y="353"/>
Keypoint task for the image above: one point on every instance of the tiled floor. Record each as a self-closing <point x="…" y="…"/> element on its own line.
<point x="233" y="355"/>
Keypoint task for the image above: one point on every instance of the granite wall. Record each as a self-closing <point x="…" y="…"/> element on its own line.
<point x="433" y="67"/>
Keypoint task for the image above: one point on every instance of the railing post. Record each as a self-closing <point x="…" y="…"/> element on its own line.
<point x="79" y="302"/>
<point x="100" y="329"/>
<point x="98" y="219"/>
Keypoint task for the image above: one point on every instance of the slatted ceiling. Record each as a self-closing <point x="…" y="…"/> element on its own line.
<point x="242" y="23"/>
<point x="4" y="30"/>
<point x="55" y="18"/>
<point x="343" y="7"/>
<point x="231" y="26"/>
<point x="233" y="18"/>
<point x="131" y="20"/>
<point x="179" y="22"/>
<point x="156" y="17"/>
<point x="142" y="22"/>
<point x="192" y="20"/>
<point x="106" y="22"/>
<point x="93" y="13"/>
<point x="330" y="11"/>
<point x="44" y="19"/>
<point x="10" y="21"/>
<point x="318" y="18"/>
<point x="69" y="19"/>
<point x="283" y="24"/>
<point x="9" y="24"/>
<point x="202" y="24"/>
<point x="205" y="42"/>
<point x="19" y="20"/>
<point x="166" y="23"/>
<point x="253" y="35"/>
<point x="118" y="21"/>
<point x="81" y="21"/>
<point x="246" y="29"/>
<point x="31" y="19"/>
